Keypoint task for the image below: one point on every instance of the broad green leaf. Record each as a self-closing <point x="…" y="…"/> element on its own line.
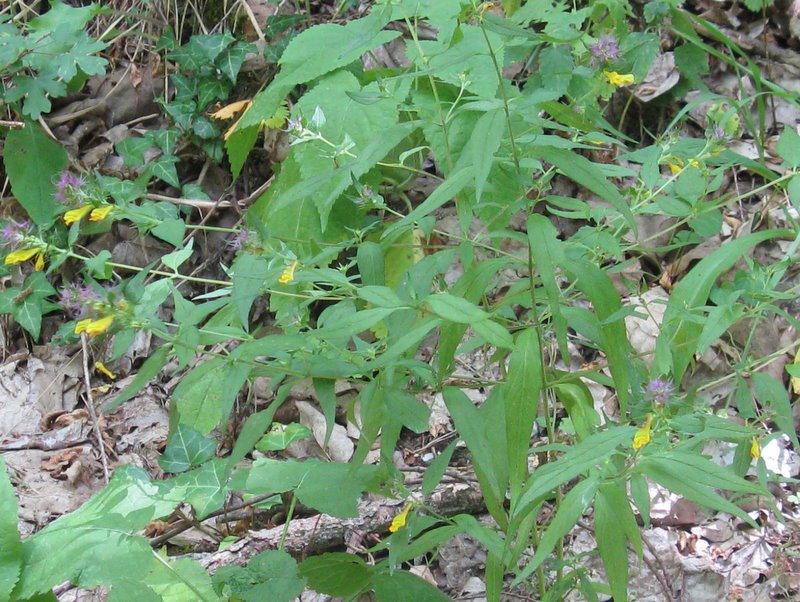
<point x="10" y="544"/>
<point x="308" y="56"/>
<point x="254" y="427"/>
<point x="186" y="448"/>
<point x="205" y="395"/>
<point x="522" y="393"/>
<point x="336" y="574"/>
<point x="584" y="455"/>
<point x="146" y="373"/>
<point x="312" y="482"/>
<point x="677" y="342"/>
<point x="175" y="259"/>
<point x="402" y="585"/>
<point x="250" y="273"/>
<point x="180" y="580"/>
<point x="33" y="162"/>
<point x="105" y="527"/>
<point x="773" y="395"/>
<point x="170" y="230"/>
<point x="571" y="508"/>
<point x="272" y="575"/>
<point x="788" y="147"/>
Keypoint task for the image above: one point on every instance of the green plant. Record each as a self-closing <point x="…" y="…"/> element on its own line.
<point x="357" y="288"/>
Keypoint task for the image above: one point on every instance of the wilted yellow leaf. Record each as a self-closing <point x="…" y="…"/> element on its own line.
<point x="232" y="109"/>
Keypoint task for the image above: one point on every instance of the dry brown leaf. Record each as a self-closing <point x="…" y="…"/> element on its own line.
<point x="232" y="109"/>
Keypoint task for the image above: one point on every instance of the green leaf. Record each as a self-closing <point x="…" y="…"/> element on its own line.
<point x="483" y="145"/>
<point x="570" y="510"/>
<point x="380" y="296"/>
<point x="493" y="333"/>
<point x="325" y="388"/>
<point x="401" y="585"/>
<point x="254" y="427"/>
<point x="546" y="252"/>
<point x="599" y="288"/>
<point x="272" y="575"/>
<point x="146" y="373"/>
<point x="611" y="541"/>
<point x="33" y="162"/>
<point x="180" y="580"/>
<point x="10" y="544"/>
<point x="695" y="478"/>
<point x="312" y="482"/>
<point x="336" y="574"/>
<point x="206" y="487"/>
<point x="455" y="309"/>
<point x="104" y="527"/>
<point x="583" y="456"/>
<point x="307" y="57"/>
<point x="28" y="314"/>
<point x="522" y="392"/>
<point x="250" y="273"/>
<point x="773" y="395"/>
<point x="205" y="395"/>
<point x="369" y="257"/>
<point x="171" y="231"/>
<point x="186" y="448"/>
<point x="486" y="442"/>
<point x="35" y="91"/>
<point x="788" y="147"/>
<point x="590" y="176"/>
<point x="280" y="436"/>
<point x="677" y="342"/>
<point x="436" y="470"/>
<point x="175" y="259"/>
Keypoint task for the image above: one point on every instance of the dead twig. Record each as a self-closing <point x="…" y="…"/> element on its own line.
<point x="90" y="406"/>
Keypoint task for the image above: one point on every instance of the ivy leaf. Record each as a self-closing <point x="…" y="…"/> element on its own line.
<point x="186" y="448"/>
<point x="79" y="57"/>
<point x="205" y="487"/>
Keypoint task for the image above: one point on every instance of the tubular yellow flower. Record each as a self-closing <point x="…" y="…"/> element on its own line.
<point x="21" y="255"/>
<point x="74" y="215"/>
<point x="93" y="327"/>
<point x="288" y="273"/>
<point x="619" y="79"/>
<point x="399" y="521"/>
<point x="101" y="367"/>
<point x="99" y="214"/>
<point x="755" y="449"/>
<point x="642" y="436"/>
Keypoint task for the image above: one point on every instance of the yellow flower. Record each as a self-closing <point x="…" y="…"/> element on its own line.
<point x="619" y="79"/>
<point x="94" y="327"/>
<point x="22" y="255"/>
<point x="755" y="450"/>
<point x="288" y="273"/>
<point x="39" y="263"/>
<point x="98" y="215"/>
<point x="642" y="436"/>
<point x="101" y="367"/>
<point x="399" y="521"/>
<point x="75" y="215"/>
